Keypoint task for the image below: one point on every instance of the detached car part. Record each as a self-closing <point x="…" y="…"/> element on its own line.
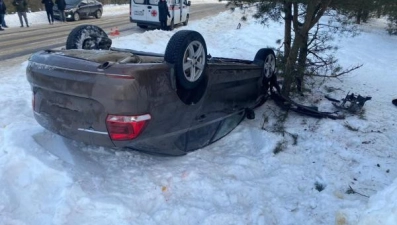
<point x="352" y="103"/>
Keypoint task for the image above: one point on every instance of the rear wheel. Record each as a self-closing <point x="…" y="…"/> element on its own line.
<point x="88" y="37"/>
<point x="76" y="16"/>
<point x="187" y="51"/>
<point x="187" y="20"/>
<point x="142" y="26"/>
<point x="98" y="14"/>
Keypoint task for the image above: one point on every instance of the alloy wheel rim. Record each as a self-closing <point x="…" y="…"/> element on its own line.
<point x="269" y="66"/>
<point x="88" y="44"/>
<point x="194" y="61"/>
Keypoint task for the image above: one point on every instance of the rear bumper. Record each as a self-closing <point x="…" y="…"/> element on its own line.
<point x="72" y="117"/>
<point x="89" y="136"/>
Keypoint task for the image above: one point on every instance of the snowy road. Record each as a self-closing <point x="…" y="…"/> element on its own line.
<point x="17" y="41"/>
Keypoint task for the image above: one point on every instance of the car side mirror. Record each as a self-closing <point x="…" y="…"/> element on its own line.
<point x="188" y="3"/>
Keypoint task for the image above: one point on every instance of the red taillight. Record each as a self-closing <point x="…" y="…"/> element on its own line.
<point x="123" y="128"/>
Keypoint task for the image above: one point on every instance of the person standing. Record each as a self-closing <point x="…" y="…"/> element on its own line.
<point x="163" y="13"/>
<point x="21" y="6"/>
<point x="48" y="8"/>
<point x="3" y="9"/>
<point x="61" y="7"/>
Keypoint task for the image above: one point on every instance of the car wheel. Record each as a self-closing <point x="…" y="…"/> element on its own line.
<point x="98" y="14"/>
<point x="187" y="51"/>
<point x="172" y="25"/>
<point x="266" y="59"/>
<point x="76" y="16"/>
<point x="187" y="20"/>
<point x="88" y="37"/>
<point x="142" y="26"/>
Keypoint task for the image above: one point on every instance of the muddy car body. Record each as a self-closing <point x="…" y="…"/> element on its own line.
<point x="167" y="104"/>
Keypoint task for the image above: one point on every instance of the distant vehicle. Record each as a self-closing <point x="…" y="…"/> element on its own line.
<point x="77" y="9"/>
<point x="145" y="13"/>
<point x="169" y="104"/>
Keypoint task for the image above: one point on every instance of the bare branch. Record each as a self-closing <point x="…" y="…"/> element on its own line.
<point x="338" y="74"/>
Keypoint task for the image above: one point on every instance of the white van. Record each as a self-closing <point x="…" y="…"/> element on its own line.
<point x="145" y="13"/>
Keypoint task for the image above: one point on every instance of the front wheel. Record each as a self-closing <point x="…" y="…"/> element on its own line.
<point x="266" y="59"/>
<point x="98" y="14"/>
<point x="76" y="16"/>
<point x="187" y="51"/>
<point x="88" y="37"/>
<point x="187" y="21"/>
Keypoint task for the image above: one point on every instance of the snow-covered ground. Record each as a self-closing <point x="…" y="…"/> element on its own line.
<point x="45" y="179"/>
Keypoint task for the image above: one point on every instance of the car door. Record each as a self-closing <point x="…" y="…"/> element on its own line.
<point x="91" y="7"/>
<point x="176" y="11"/>
<point x="84" y="8"/>
<point x="138" y="10"/>
<point x="152" y="11"/>
<point x="184" y="10"/>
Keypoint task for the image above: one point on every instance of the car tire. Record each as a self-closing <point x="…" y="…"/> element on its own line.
<point x="266" y="59"/>
<point x="142" y="26"/>
<point x="88" y="37"/>
<point x="187" y="51"/>
<point x="187" y="21"/>
<point x="76" y="16"/>
<point x="98" y="14"/>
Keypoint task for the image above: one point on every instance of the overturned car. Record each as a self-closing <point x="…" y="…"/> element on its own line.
<point x="170" y="103"/>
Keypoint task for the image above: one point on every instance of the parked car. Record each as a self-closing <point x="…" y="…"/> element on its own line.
<point x="77" y="9"/>
<point x="170" y="103"/>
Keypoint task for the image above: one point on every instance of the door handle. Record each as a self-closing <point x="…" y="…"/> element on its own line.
<point x="149" y="7"/>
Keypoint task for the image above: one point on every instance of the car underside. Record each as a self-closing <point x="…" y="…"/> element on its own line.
<point x="170" y="103"/>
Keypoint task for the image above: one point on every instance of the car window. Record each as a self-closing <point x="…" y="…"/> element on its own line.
<point x="228" y="125"/>
<point x="139" y="1"/>
<point x="153" y="2"/>
<point x="72" y="2"/>
<point x="200" y="137"/>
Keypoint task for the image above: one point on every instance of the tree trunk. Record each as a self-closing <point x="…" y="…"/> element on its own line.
<point x="358" y="17"/>
<point x="287" y="29"/>
<point x="302" y="62"/>
<point x="289" y="77"/>
<point x="314" y="11"/>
